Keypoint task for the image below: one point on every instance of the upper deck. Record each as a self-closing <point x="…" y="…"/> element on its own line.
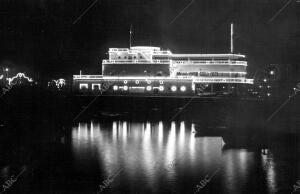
<point x="153" y="61"/>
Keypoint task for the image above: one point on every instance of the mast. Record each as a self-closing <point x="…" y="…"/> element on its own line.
<point x="130" y="35"/>
<point x="231" y="37"/>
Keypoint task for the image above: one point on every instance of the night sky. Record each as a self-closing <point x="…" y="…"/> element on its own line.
<point x="46" y="37"/>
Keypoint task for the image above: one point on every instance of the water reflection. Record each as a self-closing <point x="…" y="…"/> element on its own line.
<point x="268" y="166"/>
<point x="144" y="149"/>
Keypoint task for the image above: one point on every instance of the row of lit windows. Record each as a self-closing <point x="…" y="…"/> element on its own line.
<point x="149" y="88"/>
<point x="148" y="82"/>
<point x="129" y="57"/>
<point x="125" y="87"/>
<point x="215" y="74"/>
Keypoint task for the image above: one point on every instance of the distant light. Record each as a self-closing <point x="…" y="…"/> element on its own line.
<point x="19" y="75"/>
<point x="265" y="80"/>
<point x="60" y="83"/>
<point x="137" y="81"/>
<point x="173" y="88"/>
<point x="223" y="87"/>
<point x="148" y="82"/>
<point x="269" y="86"/>
<point x="193" y="87"/>
<point x="272" y="72"/>
<point x="161" y="88"/>
<point x="148" y="88"/>
<point x="183" y="88"/>
<point x="115" y="87"/>
<point x="1" y="76"/>
<point x="83" y="86"/>
<point x="268" y="94"/>
<point x="161" y="82"/>
<point x="125" y="88"/>
<point x="125" y="81"/>
<point x="6" y="69"/>
<point x="260" y="86"/>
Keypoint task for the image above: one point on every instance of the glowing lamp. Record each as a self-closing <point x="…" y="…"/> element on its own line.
<point x="125" y="88"/>
<point x="183" y="88"/>
<point x="161" y="88"/>
<point x="148" y="88"/>
<point x="173" y="88"/>
<point x="115" y="88"/>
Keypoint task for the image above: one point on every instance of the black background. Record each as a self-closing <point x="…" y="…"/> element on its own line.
<point x="45" y="38"/>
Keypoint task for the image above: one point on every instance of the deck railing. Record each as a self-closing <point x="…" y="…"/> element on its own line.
<point x="133" y="61"/>
<point x="176" y="62"/>
<point x="208" y="62"/>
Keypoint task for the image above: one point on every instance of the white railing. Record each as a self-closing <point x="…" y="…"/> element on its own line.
<point x="162" y="53"/>
<point x="178" y="78"/>
<point x="204" y="62"/>
<point x="118" y="49"/>
<point x="223" y="80"/>
<point x="87" y="76"/>
<point x="133" y="61"/>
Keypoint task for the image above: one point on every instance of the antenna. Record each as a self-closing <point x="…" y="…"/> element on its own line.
<point x="130" y="35"/>
<point x="231" y="37"/>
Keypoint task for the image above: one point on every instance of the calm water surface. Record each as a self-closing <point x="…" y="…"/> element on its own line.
<point x="167" y="157"/>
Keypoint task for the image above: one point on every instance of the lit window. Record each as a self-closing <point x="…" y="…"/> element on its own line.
<point x="182" y="88"/>
<point x="125" y="88"/>
<point x="83" y="86"/>
<point x="148" y="88"/>
<point x="161" y="88"/>
<point x="173" y="88"/>
<point x="96" y="86"/>
<point x="115" y="87"/>
<point x="125" y="81"/>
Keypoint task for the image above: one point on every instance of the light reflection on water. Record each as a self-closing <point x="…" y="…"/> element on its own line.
<point x="146" y="150"/>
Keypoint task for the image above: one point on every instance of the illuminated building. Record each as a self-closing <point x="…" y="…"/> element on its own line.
<point x="145" y="70"/>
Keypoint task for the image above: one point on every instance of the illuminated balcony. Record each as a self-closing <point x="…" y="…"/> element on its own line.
<point x="209" y="62"/>
<point x="154" y="61"/>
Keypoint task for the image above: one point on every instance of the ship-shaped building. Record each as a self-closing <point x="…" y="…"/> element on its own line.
<point x="151" y="71"/>
<point x="146" y="70"/>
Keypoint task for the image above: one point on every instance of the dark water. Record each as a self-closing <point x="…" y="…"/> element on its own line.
<point x="47" y="153"/>
<point x="158" y="157"/>
<point x="150" y="157"/>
